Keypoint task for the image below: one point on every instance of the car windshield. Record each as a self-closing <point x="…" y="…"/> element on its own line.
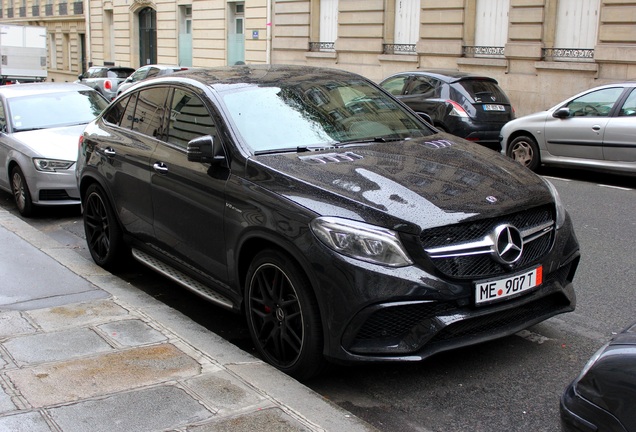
<point x="302" y="115"/>
<point x="50" y="110"/>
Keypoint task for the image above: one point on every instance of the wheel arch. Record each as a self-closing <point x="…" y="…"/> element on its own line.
<point x="258" y="241"/>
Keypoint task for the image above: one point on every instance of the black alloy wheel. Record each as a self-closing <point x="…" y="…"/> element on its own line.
<point x="103" y="233"/>
<point x="282" y="315"/>
<point x="524" y="149"/>
<point x="21" y="193"/>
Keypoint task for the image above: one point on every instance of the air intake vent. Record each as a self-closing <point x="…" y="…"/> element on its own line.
<point x="437" y="144"/>
<point x="331" y="158"/>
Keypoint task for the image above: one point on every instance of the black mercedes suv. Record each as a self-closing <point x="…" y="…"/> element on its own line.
<point x="326" y="211"/>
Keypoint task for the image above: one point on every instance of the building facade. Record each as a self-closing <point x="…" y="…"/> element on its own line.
<point x="540" y="51"/>
<point x="66" y="32"/>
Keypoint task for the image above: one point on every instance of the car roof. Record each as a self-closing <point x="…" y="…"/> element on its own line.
<point x="254" y="74"/>
<point x="446" y="75"/>
<point x="15" y="90"/>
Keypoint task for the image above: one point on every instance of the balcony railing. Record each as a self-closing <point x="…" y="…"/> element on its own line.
<point x="568" y="54"/>
<point x="322" y="46"/>
<point x="399" y="49"/>
<point x="483" y="51"/>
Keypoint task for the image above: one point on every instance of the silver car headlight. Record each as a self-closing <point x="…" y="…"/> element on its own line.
<point x="560" y="209"/>
<point x="361" y="241"/>
<point x="52" y="165"/>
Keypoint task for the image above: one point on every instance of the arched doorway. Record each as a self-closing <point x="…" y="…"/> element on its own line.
<point x="147" y="36"/>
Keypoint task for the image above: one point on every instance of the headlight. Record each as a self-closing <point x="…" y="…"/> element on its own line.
<point x="52" y="165"/>
<point x="560" y="209"/>
<point x="361" y="241"/>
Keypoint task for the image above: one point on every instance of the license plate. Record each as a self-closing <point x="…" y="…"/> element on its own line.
<point x="501" y="289"/>
<point x="490" y="107"/>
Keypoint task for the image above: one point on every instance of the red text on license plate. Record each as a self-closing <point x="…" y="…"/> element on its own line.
<point x="500" y="289"/>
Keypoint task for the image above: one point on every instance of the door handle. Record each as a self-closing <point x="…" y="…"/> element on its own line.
<point x="109" y="151"/>
<point x="596" y="128"/>
<point x="160" y="167"/>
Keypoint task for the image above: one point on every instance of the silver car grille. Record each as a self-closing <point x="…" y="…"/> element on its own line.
<point x="468" y="250"/>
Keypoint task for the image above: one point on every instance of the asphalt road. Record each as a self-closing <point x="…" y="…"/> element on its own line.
<point x="512" y="384"/>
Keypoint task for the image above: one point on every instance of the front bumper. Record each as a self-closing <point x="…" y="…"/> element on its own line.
<point x="580" y="415"/>
<point x="409" y="314"/>
<point x="54" y="188"/>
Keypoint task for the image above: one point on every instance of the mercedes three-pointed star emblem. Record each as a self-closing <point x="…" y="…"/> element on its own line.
<point x="508" y="244"/>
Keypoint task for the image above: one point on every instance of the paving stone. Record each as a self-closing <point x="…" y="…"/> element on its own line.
<point x="223" y="391"/>
<point x="271" y="420"/>
<point x="6" y="405"/>
<point x="68" y="381"/>
<point x="153" y="409"/>
<point x="24" y="422"/>
<point x="132" y="333"/>
<point x="13" y="323"/>
<point x="63" y="345"/>
<point x="77" y="314"/>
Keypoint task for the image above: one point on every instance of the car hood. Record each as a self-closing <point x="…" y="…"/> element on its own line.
<point x="409" y="186"/>
<point x="54" y="143"/>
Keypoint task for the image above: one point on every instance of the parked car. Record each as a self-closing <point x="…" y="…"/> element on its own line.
<point x="105" y="79"/>
<point x="469" y="106"/>
<point x="594" y="130"/>
<point x="148" y="71"/>
<point x="342" y="225"/>
<point x="39" y="125"/>
<point x="603" y="396"/>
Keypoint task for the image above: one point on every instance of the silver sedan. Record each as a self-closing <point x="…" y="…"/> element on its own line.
<point x="595" y="129"/>
<point x="40" y="125"/>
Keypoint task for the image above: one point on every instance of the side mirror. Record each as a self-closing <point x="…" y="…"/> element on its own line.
<point x="562" y="113"/>
<point x="206" y="150"/>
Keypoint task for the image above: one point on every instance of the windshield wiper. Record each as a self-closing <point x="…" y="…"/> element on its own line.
<point x="299" y="149"/>
<point x="374" y="140"/>
<point x="28" y="129"/>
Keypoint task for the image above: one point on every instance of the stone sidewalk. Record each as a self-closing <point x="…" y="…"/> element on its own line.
<point x="82" y="350"/>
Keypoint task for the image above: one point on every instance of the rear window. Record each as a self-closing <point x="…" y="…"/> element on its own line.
<point x="120" y="73"/>
<point x="481" y="91"/>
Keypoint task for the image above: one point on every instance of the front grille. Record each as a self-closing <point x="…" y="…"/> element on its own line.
<point x="482" y="265"/>
<point x="54" y="195"/>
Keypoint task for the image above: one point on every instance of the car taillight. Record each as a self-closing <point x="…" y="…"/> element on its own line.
<point x="80" y="142"/>
<point x="108" y="85"/>
<point x="457" y="110"/>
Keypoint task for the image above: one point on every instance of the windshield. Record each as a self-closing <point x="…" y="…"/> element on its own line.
<point x="50" y="110"/>
<point x="306" y="114"/>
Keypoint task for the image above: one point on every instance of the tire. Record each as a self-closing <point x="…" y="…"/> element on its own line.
<point x="21" y="193"/>
<point x="282" y="315"/>
<point x="524" y="149"/>
<point x="104" y="236"/>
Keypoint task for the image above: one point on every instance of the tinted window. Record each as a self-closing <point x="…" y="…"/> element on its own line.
<point x="149" y="112"/>
<point x="115" y="111"/>
<point x="189" y="118"/>
<point x="394" y="85"/>
<point x="425" y="87"/>
<point x="480" y="91"/>
<point x="128" y="119"/>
